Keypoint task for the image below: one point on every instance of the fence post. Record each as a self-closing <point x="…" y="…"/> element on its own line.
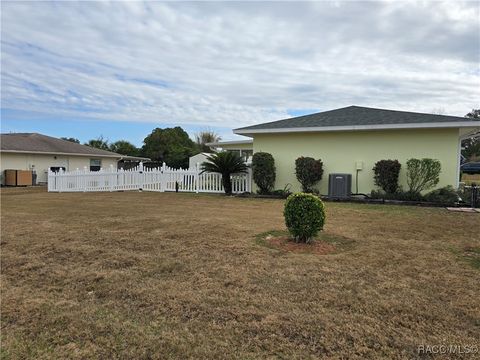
<point x="249" y="180"/>
<point x="110" y="180"/>
<point x="50" y="180"/>
<point x="60" y="172"/>
<point x="474" y="198"/>
<point x="140" y="177"/>
<point x="85" y="180"/>
<point x="163" y="177"/>
<point x="197" y="177"/>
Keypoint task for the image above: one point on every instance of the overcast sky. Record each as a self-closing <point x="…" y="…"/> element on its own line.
<point x="122" y="68"/>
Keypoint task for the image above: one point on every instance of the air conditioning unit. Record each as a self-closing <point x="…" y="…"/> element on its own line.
<point x="339" y="186"/>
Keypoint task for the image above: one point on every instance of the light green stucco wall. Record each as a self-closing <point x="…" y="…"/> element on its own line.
<point x="340" y="151"/>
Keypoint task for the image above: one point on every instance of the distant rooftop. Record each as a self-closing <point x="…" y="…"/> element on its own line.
<point x="357" y="117"/>
<point x="38" y="143"/>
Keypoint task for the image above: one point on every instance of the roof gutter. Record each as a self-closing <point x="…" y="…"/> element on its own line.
<point x="134" y="158"/>
<point x="233" y="142"/>
<point x="438" y="125"/>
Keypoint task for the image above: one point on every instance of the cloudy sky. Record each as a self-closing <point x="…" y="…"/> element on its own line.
<point x="122" y="68"/>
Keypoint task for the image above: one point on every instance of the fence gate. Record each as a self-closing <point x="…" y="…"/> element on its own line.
<point x="140" y="178"/>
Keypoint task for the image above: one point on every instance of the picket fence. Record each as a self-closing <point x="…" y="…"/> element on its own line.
<point x="156" y="179"/>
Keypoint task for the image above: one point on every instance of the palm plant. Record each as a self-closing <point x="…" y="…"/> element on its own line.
<point x="225" y="163"/>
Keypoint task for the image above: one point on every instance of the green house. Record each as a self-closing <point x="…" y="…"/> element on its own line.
<point x="350" y="140"/>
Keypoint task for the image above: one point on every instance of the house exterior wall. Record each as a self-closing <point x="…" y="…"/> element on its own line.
<point x="42" y="162"/>
<point x="340" y="151"/>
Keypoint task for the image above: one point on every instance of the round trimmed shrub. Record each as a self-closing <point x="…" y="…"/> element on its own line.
<point x="304" y="216"/>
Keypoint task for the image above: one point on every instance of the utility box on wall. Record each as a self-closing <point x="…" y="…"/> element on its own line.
<point x="339" y="186"/>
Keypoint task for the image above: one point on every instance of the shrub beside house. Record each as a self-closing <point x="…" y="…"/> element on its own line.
<point x="352" y="140"/>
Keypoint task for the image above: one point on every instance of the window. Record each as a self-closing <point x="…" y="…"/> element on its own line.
<point x="246" y="154"/>
<point x="95" y="164"/>
<point x="57" y="168"/>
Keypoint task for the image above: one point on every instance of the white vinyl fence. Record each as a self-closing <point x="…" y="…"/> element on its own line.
<point x="140" y="178"/>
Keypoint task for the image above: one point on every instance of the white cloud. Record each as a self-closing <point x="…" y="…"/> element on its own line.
<point x="234" y="64"/>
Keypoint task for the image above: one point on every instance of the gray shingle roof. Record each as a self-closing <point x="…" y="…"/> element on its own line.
<point x="356" y="116"/>
<point x="33" y="142"/>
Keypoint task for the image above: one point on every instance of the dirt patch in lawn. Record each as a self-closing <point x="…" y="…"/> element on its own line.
<point x="323" y="244"/>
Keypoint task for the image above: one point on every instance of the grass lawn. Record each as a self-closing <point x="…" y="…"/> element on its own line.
<point x="163" y="275"/>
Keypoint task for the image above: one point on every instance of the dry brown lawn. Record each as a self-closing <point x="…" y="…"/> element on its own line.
<point x="149" y="275"/>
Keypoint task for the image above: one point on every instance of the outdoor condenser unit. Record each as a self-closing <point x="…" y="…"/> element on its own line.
<point x="339" y="186"/>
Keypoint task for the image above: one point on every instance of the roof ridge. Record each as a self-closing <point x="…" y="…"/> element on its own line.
<point x="402" y="111"/>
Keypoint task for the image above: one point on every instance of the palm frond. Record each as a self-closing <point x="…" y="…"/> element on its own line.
<point x="224" y="163"/>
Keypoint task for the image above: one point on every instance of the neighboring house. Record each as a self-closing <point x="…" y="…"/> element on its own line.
<point x="244" y="148"/>
<point x="197" y="159"/>
<point x="350" y="140"/>
<point x="37" y="152"/>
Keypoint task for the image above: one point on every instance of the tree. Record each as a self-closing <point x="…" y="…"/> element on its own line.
<point x="99" y="143"/>
<point x="263" y="169"/>
<point x="170" y="145"/>
<point x="471" y="146"/>
<point x="124" y="147"/>
<point x="71" y="139"/>
<point x="422" y="174"/>
<point x="204" y="137"/>
<point x="474" y="114"/>
<point x="225" y="163"/>
<point x="308" y="171"/>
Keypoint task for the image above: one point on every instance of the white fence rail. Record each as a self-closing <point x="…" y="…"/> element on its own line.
<point x="140" y="178"/>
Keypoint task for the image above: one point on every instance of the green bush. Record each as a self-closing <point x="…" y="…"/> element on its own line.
<point x="386" y="175"/>
<point x="308" y="171"/>
<point x="398" y="195"/>
<point x="422" y="174"/>
<point x="284" y="193"/>
<point x="263" y="171"/>
<point x="445" y="195"/>
<point x="304" y="216"/>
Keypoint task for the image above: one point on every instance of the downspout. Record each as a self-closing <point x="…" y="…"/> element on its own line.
<point x="459" y="153"/>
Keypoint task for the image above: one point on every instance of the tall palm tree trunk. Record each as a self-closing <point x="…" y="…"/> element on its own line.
<point x="227" y="184"/>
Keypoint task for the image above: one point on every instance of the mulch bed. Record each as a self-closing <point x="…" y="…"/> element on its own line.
<point x="286" y="243"/>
